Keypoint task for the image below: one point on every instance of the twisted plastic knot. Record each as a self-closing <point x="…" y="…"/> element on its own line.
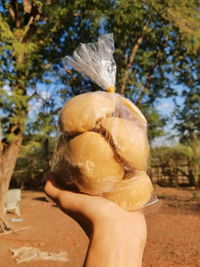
<point x="111" y="89"/>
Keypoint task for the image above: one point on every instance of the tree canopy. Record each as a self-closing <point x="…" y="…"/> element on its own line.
<point x="156" y="42"/>
<point x="157" y="47"/>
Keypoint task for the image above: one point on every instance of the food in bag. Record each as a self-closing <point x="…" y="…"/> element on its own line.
<point x="102" y="147"/>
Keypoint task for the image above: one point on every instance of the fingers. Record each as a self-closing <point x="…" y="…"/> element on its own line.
<point x="92" y="207"/>
<point x="50" y="187"/>
<point x="71" y="202"/>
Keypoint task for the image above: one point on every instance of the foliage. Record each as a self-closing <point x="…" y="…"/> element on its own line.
<point x="27" y="59"/>
<point x="153" y="38"/>
<point x="33" y="162"/>
<point x="179" y="158"/>
<point x="188" y="115"/>
<point x="157" y="43"/>
<point x="151" y="45"/>
<point x="157" y="47"/>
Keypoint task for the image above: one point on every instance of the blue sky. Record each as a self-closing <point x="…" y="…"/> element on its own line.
<point x="166" y="107"/>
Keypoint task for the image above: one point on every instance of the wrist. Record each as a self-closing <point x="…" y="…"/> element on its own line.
<point x="124" y="225"/>
<point x="118" y="242"/>
<point x="121" y="231"/>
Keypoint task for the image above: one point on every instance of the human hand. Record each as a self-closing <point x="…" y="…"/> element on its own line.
<point x="106" y="224"/>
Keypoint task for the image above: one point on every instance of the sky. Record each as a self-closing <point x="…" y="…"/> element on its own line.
<point x="165" y="107"/>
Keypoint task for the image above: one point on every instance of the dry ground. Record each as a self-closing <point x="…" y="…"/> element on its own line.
<point x="173" y="231"/>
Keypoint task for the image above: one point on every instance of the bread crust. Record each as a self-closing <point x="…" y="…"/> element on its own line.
<point x="81" y="112"/>
<point x="132" y="193"/>
<point x="130" y="141"/>
<point x="103" y="149"/>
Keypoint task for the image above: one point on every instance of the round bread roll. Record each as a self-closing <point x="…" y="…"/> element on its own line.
<point x="126" y="109"/>
<point x="133" y="193"/>
<point x="104" y="143"/>
<point x="94" y="157"/>
<point x="130" y="141"/>
<point x="81" y="112"/>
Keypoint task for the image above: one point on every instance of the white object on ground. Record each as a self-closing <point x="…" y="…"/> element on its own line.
<point x="26" y="254"/>
<point x="13" y="198"/>
<point x="16" y="220"/>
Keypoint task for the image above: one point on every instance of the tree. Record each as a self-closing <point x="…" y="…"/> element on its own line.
<point x="158" y="44"/>
<point x="188" y="114"/>
<point x="151" y="47"/>
<point x="181" y="158"/>
<point x="152" y="38"/>
<point x="188" y="127"/>
<point x="34" y="37"/>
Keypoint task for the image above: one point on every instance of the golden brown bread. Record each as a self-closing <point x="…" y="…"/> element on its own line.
<point x="130" y="111"/>
<point x="132" y="193"/>
<point x="93" y="156"/>
<point x="130" y="141"/>
<point x="104" y="143"/>
<point x="81" y="112"/>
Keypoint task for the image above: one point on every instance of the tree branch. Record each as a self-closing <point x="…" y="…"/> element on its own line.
<point x="27" y="27"/>
<point x="12" y="14"/>
<point x="148" y="80"/>
<point x="132" y="57"/>
<point x="27" y="6"/>
<point x="16" y="13"/>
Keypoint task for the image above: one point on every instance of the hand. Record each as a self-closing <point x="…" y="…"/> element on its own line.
<point x="107" y="225"/>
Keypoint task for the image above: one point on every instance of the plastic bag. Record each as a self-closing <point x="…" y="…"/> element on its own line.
<point x="102" y="147"/>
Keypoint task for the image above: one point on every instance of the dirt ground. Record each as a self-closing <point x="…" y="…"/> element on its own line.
<point x="173" y="231"/>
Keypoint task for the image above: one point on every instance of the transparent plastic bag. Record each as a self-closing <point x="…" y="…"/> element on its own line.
<point x="102" y="147"/>
<point x="95" y="60"/>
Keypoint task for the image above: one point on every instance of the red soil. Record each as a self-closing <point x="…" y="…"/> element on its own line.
<point x="173" y="231"/>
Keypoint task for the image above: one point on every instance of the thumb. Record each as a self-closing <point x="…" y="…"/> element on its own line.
<point x="66" y="200"/>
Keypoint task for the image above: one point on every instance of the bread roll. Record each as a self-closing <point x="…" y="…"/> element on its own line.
<point x="103" y="149"/>
<point x="130" y="141"/>
<point x="93" y="156"/>
<point x="132" y="193"/>
<point x="126" y="109"/>
<point x="81" y="112"/>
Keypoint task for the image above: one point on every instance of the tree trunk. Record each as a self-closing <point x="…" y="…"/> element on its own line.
<point x="191" y="175"/>
<point x="132" y="57"/>
<point x="9" y="149"/>
<point x="8" y="159"/>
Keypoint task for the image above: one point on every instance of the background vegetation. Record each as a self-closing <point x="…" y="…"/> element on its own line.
<point x="157" y="55"/>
